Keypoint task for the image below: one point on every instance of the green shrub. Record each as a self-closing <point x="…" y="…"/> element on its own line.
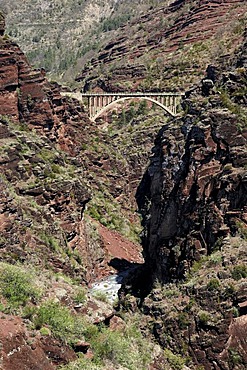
<point x="59" y="319"/>
<point x="235" y="312"/>
<point x="16" y="285"/>
<point x="176" y="361"/>
<point x="50" y="241"/>
<point x="234" y="357"/>
<point x="213" y="284"/>
<point x="183" y="320"/>
<point x="101" y="296"/>
<point x="127" y="349"/>
<point x="242" y="229"/>
<point x="230" y="291"/>
<point x="215" y="259"/>
<point x="239" y="272"/>
<point x="44" y="331"/>
<point x="203" y="317"/>
<point x="28" y="312"/>
<point x="82" y="364"/>
<point x="80" y="296"/>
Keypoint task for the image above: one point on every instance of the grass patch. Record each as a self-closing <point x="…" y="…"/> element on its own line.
<point x="176" y="361"/>
<point x="16" y="285"/>
<point x="59" y="320"/>
<point x="101" y="296"/>
<point x="203" y="318"/>
<point x="213" y="284"/>
<point x="126" y="348"/>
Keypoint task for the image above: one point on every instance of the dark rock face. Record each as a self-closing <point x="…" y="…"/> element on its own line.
<point x="193" y="196"/>
<point x="196" y="179"/>
<point x="2" y="24"/>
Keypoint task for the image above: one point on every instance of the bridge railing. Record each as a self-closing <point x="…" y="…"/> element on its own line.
<point x="138" y="94"/>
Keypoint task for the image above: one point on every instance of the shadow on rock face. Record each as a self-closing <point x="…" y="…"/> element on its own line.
<point x="121" y="264"/>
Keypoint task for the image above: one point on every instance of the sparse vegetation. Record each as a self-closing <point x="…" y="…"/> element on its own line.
<point x="235" y="358"/>
<point x="16" y="285"/>
<point x="213" y="284"/>
<point x="176" y="361"/>
<point x="239" y="272"/>
<point x="203" y="318"/>
<point x="101" y="296"/>
<point x="59" y="319"/>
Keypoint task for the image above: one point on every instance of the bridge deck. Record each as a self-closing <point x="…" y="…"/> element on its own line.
<point x="137" y="94"/>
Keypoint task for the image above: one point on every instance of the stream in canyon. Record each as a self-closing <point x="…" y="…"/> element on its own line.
<point x="111" y="285"/>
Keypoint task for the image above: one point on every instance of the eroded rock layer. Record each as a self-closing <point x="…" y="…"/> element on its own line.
<point x="168" y="47"/>
<point x="34" y="166"/>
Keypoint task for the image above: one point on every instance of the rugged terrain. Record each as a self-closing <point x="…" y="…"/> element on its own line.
<point x="62" y="174"/>
<point x="50" y="249"/>
<point x="193" y="199"/>
<point x="169" y="47"/>
<point x="125" y="45"/>
<point x="62" y="35"/>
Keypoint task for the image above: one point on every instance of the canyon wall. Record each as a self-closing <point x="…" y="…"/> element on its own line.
<point x="193" y="199"/>
<point x="41" y="133"/>
<point x="195" y="185"/>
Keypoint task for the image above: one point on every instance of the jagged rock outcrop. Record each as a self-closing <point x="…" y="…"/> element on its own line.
<point x="26" y="95"/>
<point x="196" y="181"/>
<point x="202" y="318"/>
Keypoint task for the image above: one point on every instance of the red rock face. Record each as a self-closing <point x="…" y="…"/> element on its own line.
<point x="22" y="90"/>
<point x="17" y="351"/>
<point x="27" y="97"/>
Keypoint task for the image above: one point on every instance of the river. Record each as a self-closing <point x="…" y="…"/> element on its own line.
<point x="111" y="285"/>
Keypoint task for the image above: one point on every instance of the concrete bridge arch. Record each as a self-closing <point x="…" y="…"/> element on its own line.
<point x="110" y="105"/>
<point x="98" y="103"/>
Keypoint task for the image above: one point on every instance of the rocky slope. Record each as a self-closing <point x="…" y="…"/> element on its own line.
<point x="50" y="248"/>
<point x="160" y="49"/>
<point x="192" y="298"/>
<point x="61" y="35"/>
<point x="196" y="182"/>
<point x="42" y="177"/>
<point x="193" y="198"/>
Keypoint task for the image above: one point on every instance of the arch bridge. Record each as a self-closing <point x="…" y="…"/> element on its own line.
<point x="98" y="103"/>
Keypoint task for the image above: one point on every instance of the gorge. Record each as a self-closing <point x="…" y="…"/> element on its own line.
<point x="73" y="192"/>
